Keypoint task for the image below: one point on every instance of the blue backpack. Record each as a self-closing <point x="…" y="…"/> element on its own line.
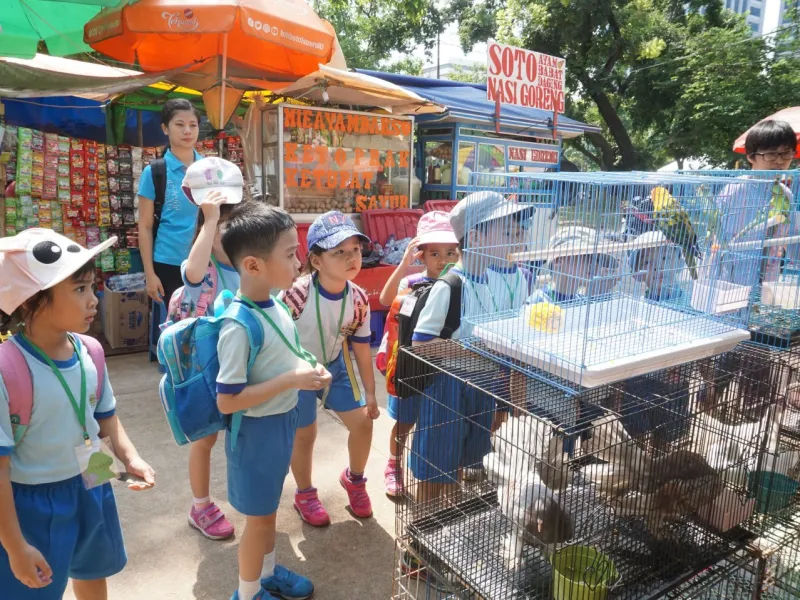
<point x="188" y="352"/>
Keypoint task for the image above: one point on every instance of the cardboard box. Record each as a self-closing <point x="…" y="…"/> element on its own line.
<point x="126" y="319"/>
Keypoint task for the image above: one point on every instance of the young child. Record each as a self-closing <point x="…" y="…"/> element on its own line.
<point x="58" y="516"/>
<point x="330" y="309"/>
<point x="455" y="421"/>
<point x="437" y="246"/>
<point x="216" y="185"/>
<point x="658" y="268"/>
<point x="571" y="276"/>
<point x="261" y="242"/>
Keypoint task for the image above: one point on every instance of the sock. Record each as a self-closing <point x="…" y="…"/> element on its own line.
<point x="248" y="589"/>
<point x="268" y="570"/>
<point x="198" y="502"/>
<point x="395" y="459"/>
<point x="354" y="476"/>
<point x="305" y="490"/>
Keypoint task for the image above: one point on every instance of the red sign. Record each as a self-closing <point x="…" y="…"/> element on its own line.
<point x="525" y="78"/>
<point x="545" y="156"/>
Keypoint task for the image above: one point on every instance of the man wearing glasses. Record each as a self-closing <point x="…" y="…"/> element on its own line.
<point x="771" y="146"/>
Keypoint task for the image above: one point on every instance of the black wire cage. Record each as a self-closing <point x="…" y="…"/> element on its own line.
<point x="518" y="489"/>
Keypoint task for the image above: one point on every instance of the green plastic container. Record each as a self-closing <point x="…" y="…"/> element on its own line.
<point x="582" y="573"/>
<point x="773" y="491"/>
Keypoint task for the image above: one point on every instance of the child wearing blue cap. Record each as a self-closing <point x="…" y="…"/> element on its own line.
<point x="330" y="309"/>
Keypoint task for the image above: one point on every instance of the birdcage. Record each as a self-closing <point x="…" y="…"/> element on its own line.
<point x="777" y="548"/>
<point x="585" y="295"/>
<point x="735" y="578"/>
<point x="523" y="490"/>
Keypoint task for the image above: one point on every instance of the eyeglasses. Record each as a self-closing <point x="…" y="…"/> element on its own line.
<point x="775" y="156"/>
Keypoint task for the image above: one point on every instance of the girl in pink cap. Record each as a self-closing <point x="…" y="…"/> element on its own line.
<point x="437" y="247"/>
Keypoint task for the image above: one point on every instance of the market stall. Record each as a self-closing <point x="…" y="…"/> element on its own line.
<point x="475" y="135"/>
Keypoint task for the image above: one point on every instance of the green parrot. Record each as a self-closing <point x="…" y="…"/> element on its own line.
<point x="674" y="223"/>
<point x="780" y="205"/>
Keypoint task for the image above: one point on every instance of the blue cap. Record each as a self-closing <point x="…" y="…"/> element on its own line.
<point x="331" y="229"/>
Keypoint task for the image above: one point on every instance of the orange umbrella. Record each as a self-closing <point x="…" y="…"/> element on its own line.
<point x="790" y="115"/>
<point x="232" y="44"/>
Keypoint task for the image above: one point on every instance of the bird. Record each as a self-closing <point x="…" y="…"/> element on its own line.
<point x="735" y="389"/>
<point x="780" y="206"/>
<point x="523" y="494"/>
<point x="673" y="221"/>
<point x="656" y="490"/>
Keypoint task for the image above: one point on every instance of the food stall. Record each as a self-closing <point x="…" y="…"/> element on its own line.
<point x="474" y="135"/>
<point x="317" y="159"/>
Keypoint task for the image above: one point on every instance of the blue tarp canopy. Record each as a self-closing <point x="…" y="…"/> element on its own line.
<point x="468" y="102"/>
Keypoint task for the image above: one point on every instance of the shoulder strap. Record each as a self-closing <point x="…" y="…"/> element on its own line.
<point x="453" y="319"/>
<point x="158" y="169"/>
<point x="360" y="305"/>
<point x="296" y="297"/>
<point x="19" y="386"/>
<point x="208" y="296"/>
<point x="98" y="356"/>
<point x="255" y="334"/>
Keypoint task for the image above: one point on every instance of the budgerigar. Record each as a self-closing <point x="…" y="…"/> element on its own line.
<point x="674" y="223"/>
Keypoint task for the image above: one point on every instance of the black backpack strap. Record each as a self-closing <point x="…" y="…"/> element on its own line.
<point x="158" y="169"/>
<point x="453" y="319"/>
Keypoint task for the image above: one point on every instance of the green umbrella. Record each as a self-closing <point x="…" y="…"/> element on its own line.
<point x="57" y="23"/>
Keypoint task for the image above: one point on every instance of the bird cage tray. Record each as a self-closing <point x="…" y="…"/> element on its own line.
<point x="719" y="297"/>
<point x="610" y="340"/>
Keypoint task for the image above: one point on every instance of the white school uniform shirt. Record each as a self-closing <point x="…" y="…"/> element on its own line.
<point x="497" y="290"/>
<point x="303" y="306"/>
<point x="46" y="453"/>
<point x="273" y="359"/>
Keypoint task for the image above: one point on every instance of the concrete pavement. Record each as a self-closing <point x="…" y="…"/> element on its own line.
<point x="351" y="559"/>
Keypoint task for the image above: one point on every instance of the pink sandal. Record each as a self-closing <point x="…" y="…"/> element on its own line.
<point x="211" y="522"/>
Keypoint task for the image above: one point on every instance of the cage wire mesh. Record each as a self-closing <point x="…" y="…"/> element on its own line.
<point x="523" y="490"/>
<point x="593" y="278"/>
<point x="735" y="578"/>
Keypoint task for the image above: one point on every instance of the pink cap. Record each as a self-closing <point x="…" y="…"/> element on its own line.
<point x="36" y="260"/>
<point x="434" y="228"/>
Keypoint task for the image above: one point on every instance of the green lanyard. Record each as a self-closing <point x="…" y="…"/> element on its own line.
<point x="478" y="298"/>
<point x="220" y="276"/>
<point x="325" y="356"/>
<point x="508" y="289"/>
<point x="297" y="350"/>
<point x="80" y="410"/>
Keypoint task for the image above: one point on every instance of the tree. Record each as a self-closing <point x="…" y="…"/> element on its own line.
<point x="370" y="31"/>
<point x="407" y="66"/>
<point x="664" y="78"/>
<point x="471" y="74"/>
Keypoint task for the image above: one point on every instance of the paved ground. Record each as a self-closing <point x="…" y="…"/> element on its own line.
<point x="351" y="559"/>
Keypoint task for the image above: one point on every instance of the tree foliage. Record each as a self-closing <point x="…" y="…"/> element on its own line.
<point x="665" y="79"/>
<point x="370" y="31"/>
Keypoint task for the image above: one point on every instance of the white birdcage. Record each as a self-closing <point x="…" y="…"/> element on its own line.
<point x="640" y="271"/>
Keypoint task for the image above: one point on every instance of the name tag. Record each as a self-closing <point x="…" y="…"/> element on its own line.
<point x="408" y="306"/>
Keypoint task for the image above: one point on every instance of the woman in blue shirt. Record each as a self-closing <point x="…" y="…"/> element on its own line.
<point x="163" y="256"/>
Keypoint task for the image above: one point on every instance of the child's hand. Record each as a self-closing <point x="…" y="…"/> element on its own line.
<point x="411" y="254"/>
<point x="373" y="412"/>
<point x="312" y="379"/>
<point x="210" y="207"/>
<point x="141" y="476"/>
<point x="30" y="567"/>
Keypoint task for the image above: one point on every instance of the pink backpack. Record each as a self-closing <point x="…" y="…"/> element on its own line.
<point x="181" y="308"/>
<point x="19" y="384"/>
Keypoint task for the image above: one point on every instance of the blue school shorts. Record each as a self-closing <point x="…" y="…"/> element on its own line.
<point x="403" y="410"/>
<point x="341" y="396"/>
<point x="76" y="530"/>
<point x="453" y="430"/>
<point x="258" y="466"/>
